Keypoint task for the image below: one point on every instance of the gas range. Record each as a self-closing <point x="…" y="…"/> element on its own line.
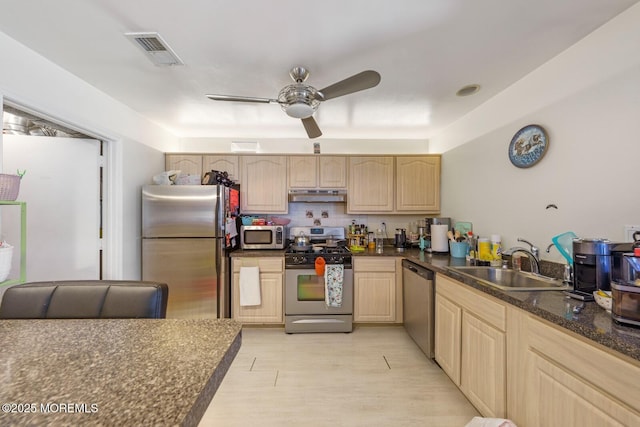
<point x="339" y="254"/>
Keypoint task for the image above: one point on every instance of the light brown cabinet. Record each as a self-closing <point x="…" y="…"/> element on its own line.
<point x="271" y="291"/>
<point x="332" y="172"/>
<point x="229" y="164"/>
<point x="198" y="164"/>
<point x="470" y="340"/>
<point x="303" y="171"/>
<point x="418" y="184"/>
<point x="371" y="185"/>
<point x="448" y="330"/>
<point x="374" y="288"/>
<point x="264" y="184"/>
<point x="190" y="164"/>
<point x="328" y="172"/>
<point x="559" y="378"/>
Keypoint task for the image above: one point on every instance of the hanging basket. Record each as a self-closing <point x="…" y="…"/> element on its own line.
<point x="9" y="186"/>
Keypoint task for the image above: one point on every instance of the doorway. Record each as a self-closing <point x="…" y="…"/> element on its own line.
<point x="62" y="188"/>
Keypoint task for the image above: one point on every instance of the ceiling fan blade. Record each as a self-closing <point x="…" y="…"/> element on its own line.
<point x="241" y="99"/>
<point x="361" y="81"/>
<point x="311" y="126"/>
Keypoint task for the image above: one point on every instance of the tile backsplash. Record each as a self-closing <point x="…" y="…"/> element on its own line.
<point x="334" y="215"/>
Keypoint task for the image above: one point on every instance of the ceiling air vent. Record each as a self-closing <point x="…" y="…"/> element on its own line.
<point x="155" y="48"/>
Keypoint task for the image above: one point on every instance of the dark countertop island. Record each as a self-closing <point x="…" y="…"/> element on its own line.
<point x="112" y="371"/>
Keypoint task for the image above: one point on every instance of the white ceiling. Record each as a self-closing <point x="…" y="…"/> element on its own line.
<point x="425" y="51"/>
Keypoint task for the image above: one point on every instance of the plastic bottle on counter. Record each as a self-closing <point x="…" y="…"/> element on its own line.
<point x="496" y="249"/>
<point x="484" y="249"/>
<point x="379" y="241"/>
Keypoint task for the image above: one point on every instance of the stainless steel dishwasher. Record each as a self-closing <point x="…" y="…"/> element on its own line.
<point x="419" y="301"/>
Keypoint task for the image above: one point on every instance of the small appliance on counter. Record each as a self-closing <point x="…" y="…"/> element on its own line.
<point x="400" y="239"/>
<point x="263" y="236"/>
<point x="625" y="287"/>
<point x="595" y="262"/>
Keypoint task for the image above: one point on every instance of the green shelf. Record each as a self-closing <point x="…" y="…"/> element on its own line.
<point x="23" y="242"/>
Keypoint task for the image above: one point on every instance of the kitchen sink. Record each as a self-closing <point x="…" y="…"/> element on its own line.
<point x="512" y="280"/>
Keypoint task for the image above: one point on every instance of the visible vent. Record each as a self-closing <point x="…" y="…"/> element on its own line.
<point x="155" y="48"/>
<point x="151" y="44"/>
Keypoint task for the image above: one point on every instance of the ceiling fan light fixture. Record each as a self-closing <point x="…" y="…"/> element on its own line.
<point x="299" y="110"/>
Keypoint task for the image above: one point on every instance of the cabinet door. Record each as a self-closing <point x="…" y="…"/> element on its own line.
<point x="370" y="185"/>
<point x="374" y="297"/>
<point x="271" y="291"/>
<point x="483" y="366"/>
<point x="418" y="184"/>
<point x="270" y="310"/>
<point x="333" y="172"/>
<point x="558" y="398"/>
<point x="190" y="164"/>
<point x="448" y="320"/>
<point x="227" y="164"/>
<point x="264" y="184"/>
<point x="303" y="172"/>
<point x="570" y="381"/>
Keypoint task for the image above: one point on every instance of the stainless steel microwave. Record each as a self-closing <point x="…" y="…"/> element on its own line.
<point x="263" y="236"/>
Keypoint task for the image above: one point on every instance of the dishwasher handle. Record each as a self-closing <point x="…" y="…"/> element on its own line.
<point x="420" y="271"/>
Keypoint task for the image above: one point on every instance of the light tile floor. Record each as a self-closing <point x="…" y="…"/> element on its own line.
<point x="375" y="376"/>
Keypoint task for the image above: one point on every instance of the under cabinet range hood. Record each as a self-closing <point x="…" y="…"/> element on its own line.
<point x="318" y="196"/>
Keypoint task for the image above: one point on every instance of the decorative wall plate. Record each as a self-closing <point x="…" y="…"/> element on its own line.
<point x="528" y="146"/>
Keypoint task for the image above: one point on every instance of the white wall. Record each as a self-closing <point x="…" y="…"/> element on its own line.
<point x="588" y="100"/>
<point x="136" y="145"/>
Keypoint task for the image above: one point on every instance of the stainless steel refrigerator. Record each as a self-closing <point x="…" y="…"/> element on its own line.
<point x="187" y="233"/>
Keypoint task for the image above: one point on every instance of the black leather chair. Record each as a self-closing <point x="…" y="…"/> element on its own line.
<point x="85" y="299"/>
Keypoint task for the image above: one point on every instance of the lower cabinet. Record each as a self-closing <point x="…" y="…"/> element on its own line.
<point x="553" y="376"/>
<point x="470" y="344"/>
<point x="563" y="380"/>
<point x="375" y="290"/>
<point x="271" y="291"/>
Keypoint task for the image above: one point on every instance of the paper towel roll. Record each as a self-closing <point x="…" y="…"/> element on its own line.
<point x="439" y="239"/>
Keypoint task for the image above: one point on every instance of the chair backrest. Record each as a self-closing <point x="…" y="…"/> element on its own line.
<point x="85" y="299"/>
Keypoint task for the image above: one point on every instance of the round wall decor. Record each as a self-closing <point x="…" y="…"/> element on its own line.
<point x="528" y="146"/>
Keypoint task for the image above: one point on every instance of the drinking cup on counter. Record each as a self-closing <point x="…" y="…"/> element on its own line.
<point x="458" y="249"/>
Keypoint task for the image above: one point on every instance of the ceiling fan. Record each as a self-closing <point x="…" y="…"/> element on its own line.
<point x="300" y="101"/>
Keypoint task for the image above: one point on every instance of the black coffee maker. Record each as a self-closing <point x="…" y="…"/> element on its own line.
<point x="591" y="267"/>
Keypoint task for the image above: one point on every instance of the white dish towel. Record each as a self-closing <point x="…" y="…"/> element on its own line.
<point x="250" y="286"/>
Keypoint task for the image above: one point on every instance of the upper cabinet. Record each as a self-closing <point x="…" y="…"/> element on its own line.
<point x="264" y="184"/>
<point x="332" y="172"/>
<point x="190" y="164"/>
<point x="303" y="171"/>
<point x="198" y="164"/>
<point x="418" y="184"/>
<point x="328" y="172"/>
<point x="370" y="188"/>
<point x="376" y="186"/>
<point x="219" y="162"/>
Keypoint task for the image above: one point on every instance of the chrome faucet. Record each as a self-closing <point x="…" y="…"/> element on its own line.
<point x="533" y="254"/>
<point x="534" y="249"/>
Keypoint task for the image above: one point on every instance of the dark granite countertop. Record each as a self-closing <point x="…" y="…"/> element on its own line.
<point x="592" y="322"/>
<point x="112" y="371"/>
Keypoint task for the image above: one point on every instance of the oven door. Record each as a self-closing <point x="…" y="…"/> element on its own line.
<point x="305" y="293"/>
